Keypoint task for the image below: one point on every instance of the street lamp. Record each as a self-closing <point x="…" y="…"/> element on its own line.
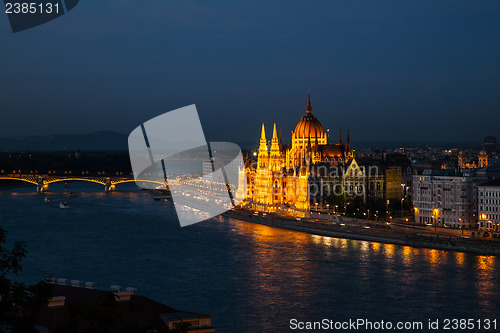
<point x="435" y="217"/>
<point x="402" y="199"/>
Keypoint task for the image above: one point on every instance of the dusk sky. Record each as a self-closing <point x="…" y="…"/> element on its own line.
<point x="387" y="70"/>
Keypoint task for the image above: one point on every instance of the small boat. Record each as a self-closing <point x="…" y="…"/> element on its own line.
<point x="63" y="205"/>
<point x="71" y="195"/>
<point x="47" y="200"/>
<point x="156" y="198"/>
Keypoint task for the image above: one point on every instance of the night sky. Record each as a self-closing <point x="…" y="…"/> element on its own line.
<point x="387" y="70"/>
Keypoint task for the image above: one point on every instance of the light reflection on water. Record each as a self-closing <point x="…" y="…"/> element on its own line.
<point x="250" y="278"/>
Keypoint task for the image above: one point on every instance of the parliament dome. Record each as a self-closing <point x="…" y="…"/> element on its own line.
<point x="309" y="125"/>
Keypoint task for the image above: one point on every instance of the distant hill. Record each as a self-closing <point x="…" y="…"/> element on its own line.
<point x="102" y="140"/>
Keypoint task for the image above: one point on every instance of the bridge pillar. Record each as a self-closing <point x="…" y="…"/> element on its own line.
<point x="42" y="185"/>
<point x="109" y="187"/>
<point x="42" y="188"/>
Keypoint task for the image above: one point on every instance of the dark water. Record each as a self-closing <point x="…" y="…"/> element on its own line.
<point x="250" y="278"/>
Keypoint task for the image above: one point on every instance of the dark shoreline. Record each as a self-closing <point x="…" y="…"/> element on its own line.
<point x="374" y="234"/>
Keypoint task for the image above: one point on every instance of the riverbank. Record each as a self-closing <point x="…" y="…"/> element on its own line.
<point x="373" y="232"/>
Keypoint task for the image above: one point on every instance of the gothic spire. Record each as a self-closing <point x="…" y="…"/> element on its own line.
<point x="308" y="108"/>
<point x="275" y="133"/>
<point x="275" y="144"/>
<point x="263" y="141"/>
<point x="263" y="157"/>
<point x="340" y="137"/>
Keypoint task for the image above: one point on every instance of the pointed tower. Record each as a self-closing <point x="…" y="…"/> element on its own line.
<point x="340" y="137"/>
<point x="263" y="179"/>
<point x="275" y="158"/>
<point x="263" y="157"/>
<point x="275" y="140"/>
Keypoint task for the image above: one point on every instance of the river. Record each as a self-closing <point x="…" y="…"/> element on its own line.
<point x="248" y="277"/>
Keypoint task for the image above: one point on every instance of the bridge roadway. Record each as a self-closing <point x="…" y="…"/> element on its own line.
<point x="42" y="182"/>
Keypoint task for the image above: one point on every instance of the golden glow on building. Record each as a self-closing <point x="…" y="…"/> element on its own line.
<point x="281" y="175"/>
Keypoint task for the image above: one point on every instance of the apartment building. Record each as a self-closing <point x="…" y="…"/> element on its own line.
<point x="489" y="205"/>
<point x="447" y="198"/>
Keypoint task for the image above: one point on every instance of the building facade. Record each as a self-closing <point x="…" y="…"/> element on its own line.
<point x="489" y="205"/>
<point x="444" y="198"/>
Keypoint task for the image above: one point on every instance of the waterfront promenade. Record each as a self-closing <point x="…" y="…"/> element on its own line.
<point x="373" y="231"/>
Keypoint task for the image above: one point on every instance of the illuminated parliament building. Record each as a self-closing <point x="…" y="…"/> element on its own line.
<point x="302" y="175"/>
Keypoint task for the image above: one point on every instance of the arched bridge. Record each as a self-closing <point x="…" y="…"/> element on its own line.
<point x="43" y="181"/>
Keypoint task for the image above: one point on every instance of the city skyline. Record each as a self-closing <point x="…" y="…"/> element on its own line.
<point x="416" y="72"/>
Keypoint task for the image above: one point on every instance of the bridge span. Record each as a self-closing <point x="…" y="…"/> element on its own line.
<point x="42" y="182"/>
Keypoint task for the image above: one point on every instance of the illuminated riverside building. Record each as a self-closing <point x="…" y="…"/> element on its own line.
<point x="446" y="198"/>
<point x="306" y="172"/>
<point x="489" y="205"/>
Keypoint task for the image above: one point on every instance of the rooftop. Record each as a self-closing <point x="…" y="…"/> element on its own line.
<point x="83" y="310"/>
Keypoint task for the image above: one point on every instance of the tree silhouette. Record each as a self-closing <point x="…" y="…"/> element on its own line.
<point x="19" y="304"/>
